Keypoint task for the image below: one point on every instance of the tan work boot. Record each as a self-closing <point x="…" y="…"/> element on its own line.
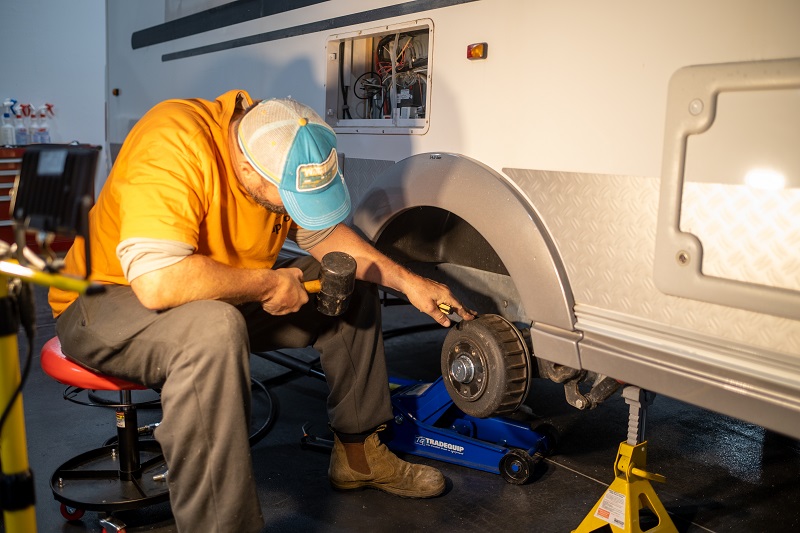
<point x="388" y="472"/>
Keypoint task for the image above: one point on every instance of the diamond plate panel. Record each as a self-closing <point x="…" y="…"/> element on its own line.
<point x="747" y="234"/>
<point x="605" y="227"/>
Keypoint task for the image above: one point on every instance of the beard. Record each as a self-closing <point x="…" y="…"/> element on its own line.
<point x="269" y="206"/>
<point x="266" y="204"/>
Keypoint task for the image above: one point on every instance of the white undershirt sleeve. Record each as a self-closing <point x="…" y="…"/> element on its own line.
<point x="307" y="239"/>
<point x="139" y="256"/>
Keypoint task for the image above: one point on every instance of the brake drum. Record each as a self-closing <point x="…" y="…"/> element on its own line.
<point x="486" y="366"/>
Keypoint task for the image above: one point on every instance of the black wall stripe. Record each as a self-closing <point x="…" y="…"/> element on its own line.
<point x="215" y="18"/>
<point x="312" y="27"/>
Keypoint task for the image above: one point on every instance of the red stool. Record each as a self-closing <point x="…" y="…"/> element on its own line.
<point x="128" y="474"/>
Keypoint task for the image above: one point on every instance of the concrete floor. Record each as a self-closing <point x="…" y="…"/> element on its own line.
<point x="722" y="474"/>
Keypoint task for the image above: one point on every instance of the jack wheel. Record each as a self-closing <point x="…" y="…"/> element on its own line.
<point x="517" y="466"/>
<point x="71" y="513"/>
<point x="486" y="366"/>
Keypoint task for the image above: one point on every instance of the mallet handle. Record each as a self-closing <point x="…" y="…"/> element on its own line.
<point x="313" y="286"/>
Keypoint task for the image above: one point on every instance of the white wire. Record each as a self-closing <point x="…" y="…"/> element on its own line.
<point x="9" y="250"/>
<point x="33" y="258"/>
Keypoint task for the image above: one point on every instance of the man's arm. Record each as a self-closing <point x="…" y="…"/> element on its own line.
<point x="373" y="266"/>
<point x="197" y="277"/>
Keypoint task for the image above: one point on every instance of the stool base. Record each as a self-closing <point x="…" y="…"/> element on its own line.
<point x="91" y="481"/>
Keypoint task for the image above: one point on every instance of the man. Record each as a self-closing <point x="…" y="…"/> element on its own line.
<point x="185" y="235"/>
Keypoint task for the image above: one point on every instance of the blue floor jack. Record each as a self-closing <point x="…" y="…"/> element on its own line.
<point x="480" y="358"/>
<point x="427" y="423"/>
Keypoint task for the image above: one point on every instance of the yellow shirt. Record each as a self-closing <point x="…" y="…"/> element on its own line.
<point x="173" y="180"/>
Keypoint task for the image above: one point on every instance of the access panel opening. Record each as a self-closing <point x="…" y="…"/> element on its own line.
<point x="378" y="81"/>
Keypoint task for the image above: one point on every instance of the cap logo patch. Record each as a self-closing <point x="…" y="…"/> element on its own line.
<point x="314" y="176"/>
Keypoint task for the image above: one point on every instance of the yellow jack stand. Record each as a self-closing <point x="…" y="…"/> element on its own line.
<point x="630" y="492"/>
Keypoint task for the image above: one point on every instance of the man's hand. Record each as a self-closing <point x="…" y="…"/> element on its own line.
<point x="424" y="294"/>
<point x="197" y="277"/>
<point x="286" y="293"/>
<point x="435" y="299"/>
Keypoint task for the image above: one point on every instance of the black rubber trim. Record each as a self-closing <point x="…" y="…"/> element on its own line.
<point x="294" y="31"/>
<point x="215" y="18"/>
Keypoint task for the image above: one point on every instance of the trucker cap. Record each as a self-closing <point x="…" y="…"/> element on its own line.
<point x="290" y="145"/>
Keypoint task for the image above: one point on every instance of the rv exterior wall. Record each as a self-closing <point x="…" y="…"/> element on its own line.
<point x="563" y="123"/>
<point x="572" y="86"/>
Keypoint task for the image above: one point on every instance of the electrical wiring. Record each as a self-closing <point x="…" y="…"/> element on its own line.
<point x="345" y="106"/>
<point x="362" y="108"/>
<point x="410" y="61"/>
<point x="399" y="63"/>
<point x="369" y="84"/>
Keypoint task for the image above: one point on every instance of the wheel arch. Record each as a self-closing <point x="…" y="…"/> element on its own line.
<point x="499" y="212"/>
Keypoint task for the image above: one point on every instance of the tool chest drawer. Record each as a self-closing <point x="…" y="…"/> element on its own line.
<point x="10" y="162"/>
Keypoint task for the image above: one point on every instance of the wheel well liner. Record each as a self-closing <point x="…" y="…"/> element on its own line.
<point x="434" y="235"/>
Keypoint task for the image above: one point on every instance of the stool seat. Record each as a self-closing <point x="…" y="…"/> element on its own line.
<point x="64" y="370"/>
<point x="128" y="474"/>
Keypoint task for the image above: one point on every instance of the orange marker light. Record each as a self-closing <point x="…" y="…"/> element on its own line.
<point x="477" y="50"/>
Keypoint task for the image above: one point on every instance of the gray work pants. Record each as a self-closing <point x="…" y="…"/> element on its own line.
<point x="198" y="355"/>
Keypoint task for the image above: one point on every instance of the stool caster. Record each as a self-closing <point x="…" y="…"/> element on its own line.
<point x="112" y="525"/>
<point x="71" y="513"/>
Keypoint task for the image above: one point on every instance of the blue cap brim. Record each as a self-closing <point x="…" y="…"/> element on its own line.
<point x="320" y="209"/>
<point x="312" y="161"/>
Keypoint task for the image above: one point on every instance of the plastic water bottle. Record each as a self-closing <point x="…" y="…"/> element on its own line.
<point x="7" y="134"/>
<point x="41" y="133"/>
<point x="28" y="115"/>
<point x="20" y="131"/>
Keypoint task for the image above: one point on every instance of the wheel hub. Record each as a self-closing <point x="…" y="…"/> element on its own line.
<point x="467" y="370"/>
<point x="463" y="369"/>
<point x="485" y="366"/>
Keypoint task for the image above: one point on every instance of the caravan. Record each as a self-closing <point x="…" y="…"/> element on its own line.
<point x="619" y="180"/>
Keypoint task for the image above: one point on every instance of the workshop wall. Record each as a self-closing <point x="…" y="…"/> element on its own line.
<point x="56" y="52"/>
